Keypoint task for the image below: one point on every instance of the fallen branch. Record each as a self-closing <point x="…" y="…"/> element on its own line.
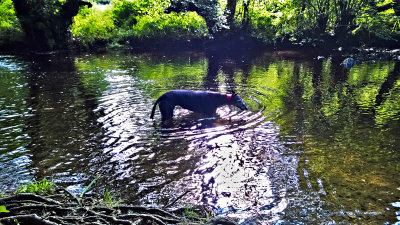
<point x="143" y="209"/>
<point x="177" y="199"/>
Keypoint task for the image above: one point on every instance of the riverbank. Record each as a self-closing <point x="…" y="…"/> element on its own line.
<point x="63" y="207"/>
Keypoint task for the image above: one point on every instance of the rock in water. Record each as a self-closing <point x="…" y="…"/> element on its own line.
<point x="348" y="63"/>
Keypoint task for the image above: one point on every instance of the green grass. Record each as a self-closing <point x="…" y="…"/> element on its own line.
<point x="42" y="187"/>
<point x="109" y="200"/>
<point x="190" y="213"/>
<point x="189" y="216"/>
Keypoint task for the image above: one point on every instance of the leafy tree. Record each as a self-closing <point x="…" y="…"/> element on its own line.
<point x="92" y="25"/>
<point x="208" y="9"/>
<point x="46" y="22"/>
<point x="7" y="15"/>
<point x="10" y="30"/>
<point x="327" y="23"/>
<point x="230" y="11"/>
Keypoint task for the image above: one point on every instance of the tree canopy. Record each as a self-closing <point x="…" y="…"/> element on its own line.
<point x="49" y="24"/>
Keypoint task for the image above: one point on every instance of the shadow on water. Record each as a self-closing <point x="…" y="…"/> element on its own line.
<point x="319" y="143"/>
<point x="63" y="129"/>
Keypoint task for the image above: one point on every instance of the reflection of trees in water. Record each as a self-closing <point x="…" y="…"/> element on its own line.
<point x="317" y="104"/>
<point x="63" y="129"/>
<point x="388" y="85"/>
<point x="341" y="137"/>
<point x="227" y="63"/>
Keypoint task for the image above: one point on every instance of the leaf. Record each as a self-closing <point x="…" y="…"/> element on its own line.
<point x="3" y="209"/>
<point x="89" y="186"/>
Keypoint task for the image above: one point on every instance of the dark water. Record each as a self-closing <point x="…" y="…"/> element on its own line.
<point x="318" y="145"/>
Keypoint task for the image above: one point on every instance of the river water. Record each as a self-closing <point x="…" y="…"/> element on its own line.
<point x="318" y="145"/>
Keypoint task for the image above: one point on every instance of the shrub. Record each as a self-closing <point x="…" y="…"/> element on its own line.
<point x="170" y="26"/>
<point x="7" y="15"/>
<point x="10" y="30"/>
<point x="93" y="24"/>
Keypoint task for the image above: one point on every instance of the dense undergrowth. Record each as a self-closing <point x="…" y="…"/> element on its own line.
<point x="121" y="22"/>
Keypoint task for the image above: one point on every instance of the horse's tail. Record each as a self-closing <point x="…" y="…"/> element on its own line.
<point x="154" y="108"/>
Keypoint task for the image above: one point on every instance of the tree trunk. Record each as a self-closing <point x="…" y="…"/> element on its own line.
<point x="230" y="12"/>
<point x="345" y="20"/>
<point x="322" y="22"/>
<point x="246" y="16"/>
<point x="46" y="24"/>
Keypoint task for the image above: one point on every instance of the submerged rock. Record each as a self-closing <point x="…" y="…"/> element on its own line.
<point x="348" y="63"/>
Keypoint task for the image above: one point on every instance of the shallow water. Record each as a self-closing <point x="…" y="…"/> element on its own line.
<point x="319" y="143"/>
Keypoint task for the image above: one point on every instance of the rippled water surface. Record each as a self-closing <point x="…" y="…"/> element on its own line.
<point x="319" y="143"/>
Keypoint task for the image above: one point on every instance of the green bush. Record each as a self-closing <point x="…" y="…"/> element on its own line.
<point x="135" y="19"/>
<point x="384" y="26"/>
<point x="7" y="15"/>
<point x="10" y="30"/>
<point x="126" y="11"/>
<point x="170" y="26"/>
<point x="270" y="20"/>
<point x="93" y="24"/>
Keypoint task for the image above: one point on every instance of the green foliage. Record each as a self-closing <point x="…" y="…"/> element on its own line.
<point x="42" y="187"/>
<point x="109" y="199"/>
<point x="298" y="21"/>
<point x="373" y="26"/>
<point x="135" y="19"/>
<point x="10" y="30"/>
<point x="7" y="14"/>
<point x="191" y="215"/>
<point x="190" y="212"/>
<point x="271" y="20"/>
<point x="3" y="209"/>
<point x="126" y="11"/>
<point x="93" y="24"/>
<point x="89" y="186"/>
<point x="170" y="26"/>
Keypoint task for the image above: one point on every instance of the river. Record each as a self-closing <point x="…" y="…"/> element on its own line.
<point x="319" y="144"/>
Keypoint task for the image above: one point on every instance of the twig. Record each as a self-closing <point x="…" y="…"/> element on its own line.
<point x="177" y="199"/>
<point x="147" y="210"/>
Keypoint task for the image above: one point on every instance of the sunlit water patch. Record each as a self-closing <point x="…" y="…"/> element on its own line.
<point x="319" y="143"/>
